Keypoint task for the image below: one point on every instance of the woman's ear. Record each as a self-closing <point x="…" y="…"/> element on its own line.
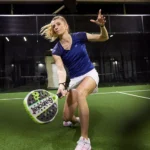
<point x="67" y="27"/>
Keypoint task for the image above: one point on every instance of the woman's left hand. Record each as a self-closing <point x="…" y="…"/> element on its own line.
<point x="101" y="20"/>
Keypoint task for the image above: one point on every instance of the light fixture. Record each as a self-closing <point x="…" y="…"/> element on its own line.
<point x="7" y="39"/>
<point x="40" y="65"/>
<point x="12" y="65"/>
<point x="25" y="39"/>
<point x="115" y="62"/>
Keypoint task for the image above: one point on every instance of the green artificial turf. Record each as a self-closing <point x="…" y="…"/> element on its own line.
<point x="117" y="122"/>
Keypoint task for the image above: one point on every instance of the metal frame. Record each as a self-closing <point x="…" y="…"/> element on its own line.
<point x="52" y="1"/>
<point x="36" y="16"/>
<point x="72" y="15"/>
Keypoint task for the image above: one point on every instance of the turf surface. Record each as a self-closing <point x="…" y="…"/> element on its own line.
<point x="117" y="122"/>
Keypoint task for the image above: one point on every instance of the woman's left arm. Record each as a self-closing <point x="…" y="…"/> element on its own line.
<point x="103" y="36"/>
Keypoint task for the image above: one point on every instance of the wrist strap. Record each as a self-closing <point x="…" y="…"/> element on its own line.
<point x="63" y="83"/>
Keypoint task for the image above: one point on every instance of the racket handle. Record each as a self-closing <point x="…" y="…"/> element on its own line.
<point x="59" y="95"/>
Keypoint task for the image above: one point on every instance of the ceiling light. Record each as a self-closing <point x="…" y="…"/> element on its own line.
<point x="25" y="39"/>
<point x="7" y="39"/>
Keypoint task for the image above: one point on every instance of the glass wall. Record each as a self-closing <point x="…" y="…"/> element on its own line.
<point x="123" y="59"/>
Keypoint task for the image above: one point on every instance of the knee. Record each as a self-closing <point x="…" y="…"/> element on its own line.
<point x="81" y="94"/>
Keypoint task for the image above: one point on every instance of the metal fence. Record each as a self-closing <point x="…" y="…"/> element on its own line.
<point x="124" y="58"/>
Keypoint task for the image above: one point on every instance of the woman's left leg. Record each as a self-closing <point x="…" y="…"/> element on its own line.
<point x="86" y="87"/>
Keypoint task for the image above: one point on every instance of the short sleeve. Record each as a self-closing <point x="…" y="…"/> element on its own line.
<point x="81" y="36"/>
<point x="56" y="50"/>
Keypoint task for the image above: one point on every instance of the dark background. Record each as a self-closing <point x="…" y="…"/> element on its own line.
<point x="73" y="7"/>
<point x="123" y="59"/>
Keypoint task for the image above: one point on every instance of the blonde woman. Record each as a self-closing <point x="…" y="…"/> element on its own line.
<point x="70" y="51"/>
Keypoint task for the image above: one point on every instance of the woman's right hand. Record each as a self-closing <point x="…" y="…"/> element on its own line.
<point x="101" y="20"/>
<point x="62" y="90"/>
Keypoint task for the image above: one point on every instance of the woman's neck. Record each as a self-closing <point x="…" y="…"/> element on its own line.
<point x="65" y="38"/>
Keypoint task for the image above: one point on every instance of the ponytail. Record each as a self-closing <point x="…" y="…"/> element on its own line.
<point x="48" y="33"/>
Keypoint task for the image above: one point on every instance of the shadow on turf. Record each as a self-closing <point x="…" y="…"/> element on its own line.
<point x="130" y="132"/>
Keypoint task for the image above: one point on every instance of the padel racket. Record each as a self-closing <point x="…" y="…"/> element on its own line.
<point x="41" y="105"/>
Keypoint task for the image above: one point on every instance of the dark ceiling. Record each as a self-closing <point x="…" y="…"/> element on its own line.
<point x="80" y="8"/>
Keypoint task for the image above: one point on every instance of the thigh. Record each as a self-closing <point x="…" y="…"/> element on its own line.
<point x="86" y="86"/>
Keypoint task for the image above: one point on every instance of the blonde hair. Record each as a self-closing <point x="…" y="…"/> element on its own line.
<point x="48" y="32"/>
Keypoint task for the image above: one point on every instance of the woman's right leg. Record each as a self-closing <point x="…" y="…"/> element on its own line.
<point x="70" y="106"/>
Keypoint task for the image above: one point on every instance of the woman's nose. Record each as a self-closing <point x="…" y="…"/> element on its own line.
<point x="56" y="28"/>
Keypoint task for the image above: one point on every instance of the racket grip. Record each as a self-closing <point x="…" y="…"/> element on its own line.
<point x="59" y="95"/>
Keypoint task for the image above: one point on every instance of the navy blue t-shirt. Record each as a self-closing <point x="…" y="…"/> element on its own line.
<point x="76" y="59"/>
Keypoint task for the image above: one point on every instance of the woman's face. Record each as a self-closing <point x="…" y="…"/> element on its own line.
<point x="59" y="27"/>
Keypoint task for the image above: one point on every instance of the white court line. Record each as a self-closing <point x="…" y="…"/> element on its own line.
<point x="10" y="99"/>
<point x="101" y="93"/>
<point x="134" y="95"/>
<point x="104" y="93"/>
<point x="122" y="91"/>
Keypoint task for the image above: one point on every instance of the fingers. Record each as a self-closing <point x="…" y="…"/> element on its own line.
<point x="100" y="19"/>
<point x="99" y="13"/>
<point x="104" y="18"/>
<point x="92" y="20"/>
<point x="62" y="93"/>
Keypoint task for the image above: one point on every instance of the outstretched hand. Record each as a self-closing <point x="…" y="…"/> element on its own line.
<point x="101" y="20"/>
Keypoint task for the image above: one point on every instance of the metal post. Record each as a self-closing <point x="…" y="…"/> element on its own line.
<point x="12" y="9"/>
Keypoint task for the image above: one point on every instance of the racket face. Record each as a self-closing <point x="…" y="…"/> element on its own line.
<point x="41" y="105"/>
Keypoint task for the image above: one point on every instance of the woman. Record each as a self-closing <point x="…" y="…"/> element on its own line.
<point x="71" y="52"/>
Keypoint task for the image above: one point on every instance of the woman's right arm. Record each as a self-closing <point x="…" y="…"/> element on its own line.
<point x="61" y="74"/>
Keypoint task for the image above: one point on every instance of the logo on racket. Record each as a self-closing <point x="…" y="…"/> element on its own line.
<point x="43" y="104"/>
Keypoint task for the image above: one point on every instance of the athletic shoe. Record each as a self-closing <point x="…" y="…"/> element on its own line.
<point x="70" y="124"/>
<point x="67" y="123"/>
<point x="83" y="144"/>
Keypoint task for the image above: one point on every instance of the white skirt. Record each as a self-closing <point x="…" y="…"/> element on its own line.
<point x="77" y="80"/>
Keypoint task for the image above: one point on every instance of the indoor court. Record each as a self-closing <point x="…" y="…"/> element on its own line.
<point x="119" y="120"/>
<point x="110" y="38"/>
